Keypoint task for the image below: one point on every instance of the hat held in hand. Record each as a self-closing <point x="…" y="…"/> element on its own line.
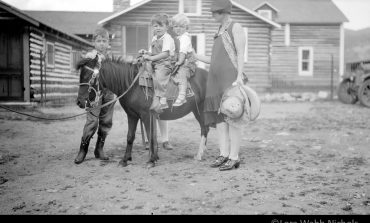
<point x="239" y="101"/>
<point x="232" y="107"/>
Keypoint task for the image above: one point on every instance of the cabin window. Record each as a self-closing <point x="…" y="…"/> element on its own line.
<point x="265" y="13"/>
<point x="190" y="7"/>
<point x="198" y="42"/>
<point x="246" y="53"/>
<point x="75" y="58"/>
<point x="50" y="55"/>
<point x="306" y="61"/>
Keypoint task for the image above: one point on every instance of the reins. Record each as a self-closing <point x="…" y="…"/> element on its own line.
<point x="117" y="98"/>
<point x="87" y="110"/>
<point x="42" y="118"/>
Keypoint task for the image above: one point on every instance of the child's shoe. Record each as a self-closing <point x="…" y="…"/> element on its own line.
<point x="179" y="101"/>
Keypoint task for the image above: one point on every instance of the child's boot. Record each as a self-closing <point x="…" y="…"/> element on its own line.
<point x="181" y="99"/>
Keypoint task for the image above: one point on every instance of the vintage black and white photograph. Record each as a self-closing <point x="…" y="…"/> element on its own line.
<point x="185" y="107"/>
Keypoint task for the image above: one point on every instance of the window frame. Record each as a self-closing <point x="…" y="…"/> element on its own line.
<point x="287" y="34"/>
<point x="137" y="26"/>
<point x="47" y="62"/>
<point x="301" y="61"/>
<point x="201" y="46"/>
<point x="198" y="8"/>
<point x="246" y="52"/>
<point x="75" y="57"/>
<point x="269" y="12"/>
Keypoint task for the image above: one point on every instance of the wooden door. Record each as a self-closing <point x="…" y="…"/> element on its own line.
<point x="11" y="64"/>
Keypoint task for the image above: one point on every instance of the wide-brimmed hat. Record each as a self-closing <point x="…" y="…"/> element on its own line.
<point x="241" y="100"/>
<point x="224" y="5"/>
<point x="232" y="107"/>
<point x="254" y="102"/>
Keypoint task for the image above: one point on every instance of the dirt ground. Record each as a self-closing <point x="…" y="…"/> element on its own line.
<point x="297" y="158"/>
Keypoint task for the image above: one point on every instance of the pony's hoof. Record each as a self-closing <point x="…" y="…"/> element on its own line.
<point x="123" y="163"/>
<point x="150" y="165"/>
<point x="147" y="146"/>
<point x="198" y="157"/>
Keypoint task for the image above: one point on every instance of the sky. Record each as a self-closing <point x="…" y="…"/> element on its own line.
<point x="357" y="11"/>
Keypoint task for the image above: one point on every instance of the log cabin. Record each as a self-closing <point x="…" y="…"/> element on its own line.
<point x="37" y="60"/>
<point x="292" y="45"/>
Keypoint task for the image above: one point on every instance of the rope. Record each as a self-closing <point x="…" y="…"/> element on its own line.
<point x="116" y="99"/>
<point x="43" y="118"/>
<point x="74" y="116"/>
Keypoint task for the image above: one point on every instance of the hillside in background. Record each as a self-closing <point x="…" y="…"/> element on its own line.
<point x="357" y="45"/>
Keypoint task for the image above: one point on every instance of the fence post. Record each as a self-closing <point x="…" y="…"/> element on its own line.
<point x="332" y="78"/>
<point x="41" y="81"/>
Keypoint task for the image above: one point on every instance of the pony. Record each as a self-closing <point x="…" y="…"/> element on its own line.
<point x="121" y="77"/>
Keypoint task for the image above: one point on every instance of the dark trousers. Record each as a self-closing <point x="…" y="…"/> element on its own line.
<point x="101" y="119"/>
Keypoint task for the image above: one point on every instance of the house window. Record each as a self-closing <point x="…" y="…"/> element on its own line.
<point x="137" y="38"/>
<point x="50" y="55"/>
<point x="306" y="61"/>
<point x="265" y="13"/>
<point x="190" y="7"/>
<point x="246" y="45"/>
<point x="198" y="42"/>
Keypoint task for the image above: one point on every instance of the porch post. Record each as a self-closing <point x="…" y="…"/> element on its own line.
<point x="341" y="53"/>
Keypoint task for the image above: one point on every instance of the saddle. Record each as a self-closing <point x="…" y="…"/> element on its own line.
<point x="146" y="81"/>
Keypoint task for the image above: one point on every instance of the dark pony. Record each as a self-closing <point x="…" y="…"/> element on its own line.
<point x="117" y="76"/>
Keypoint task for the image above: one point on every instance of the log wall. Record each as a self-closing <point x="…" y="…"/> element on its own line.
<point x="59" y="82"/>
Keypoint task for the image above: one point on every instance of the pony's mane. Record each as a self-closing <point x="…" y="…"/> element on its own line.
<point x="113" y="59"/>
<point x="83" y="62"/>
<point x="117" y="73"/>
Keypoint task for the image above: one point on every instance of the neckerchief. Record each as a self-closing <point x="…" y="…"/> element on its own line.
<point x="228" y="43"/>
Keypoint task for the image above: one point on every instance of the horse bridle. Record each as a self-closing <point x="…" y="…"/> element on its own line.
<point x="94" y="80"/>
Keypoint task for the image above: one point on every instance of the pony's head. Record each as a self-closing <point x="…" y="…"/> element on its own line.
<point x="88" y="92"/>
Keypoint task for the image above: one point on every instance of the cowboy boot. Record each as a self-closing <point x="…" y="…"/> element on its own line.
<point x="83" y="151"/>
<point x="99" y="153"/>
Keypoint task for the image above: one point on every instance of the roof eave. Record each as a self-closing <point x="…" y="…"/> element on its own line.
<point x="266" y="3"/>
<point x="256" y="14"/>
<point x="36" y="23"/>
<point x="310" y="22"/>
<point x="16" y="12"/>
<point x="102" y="22"/>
